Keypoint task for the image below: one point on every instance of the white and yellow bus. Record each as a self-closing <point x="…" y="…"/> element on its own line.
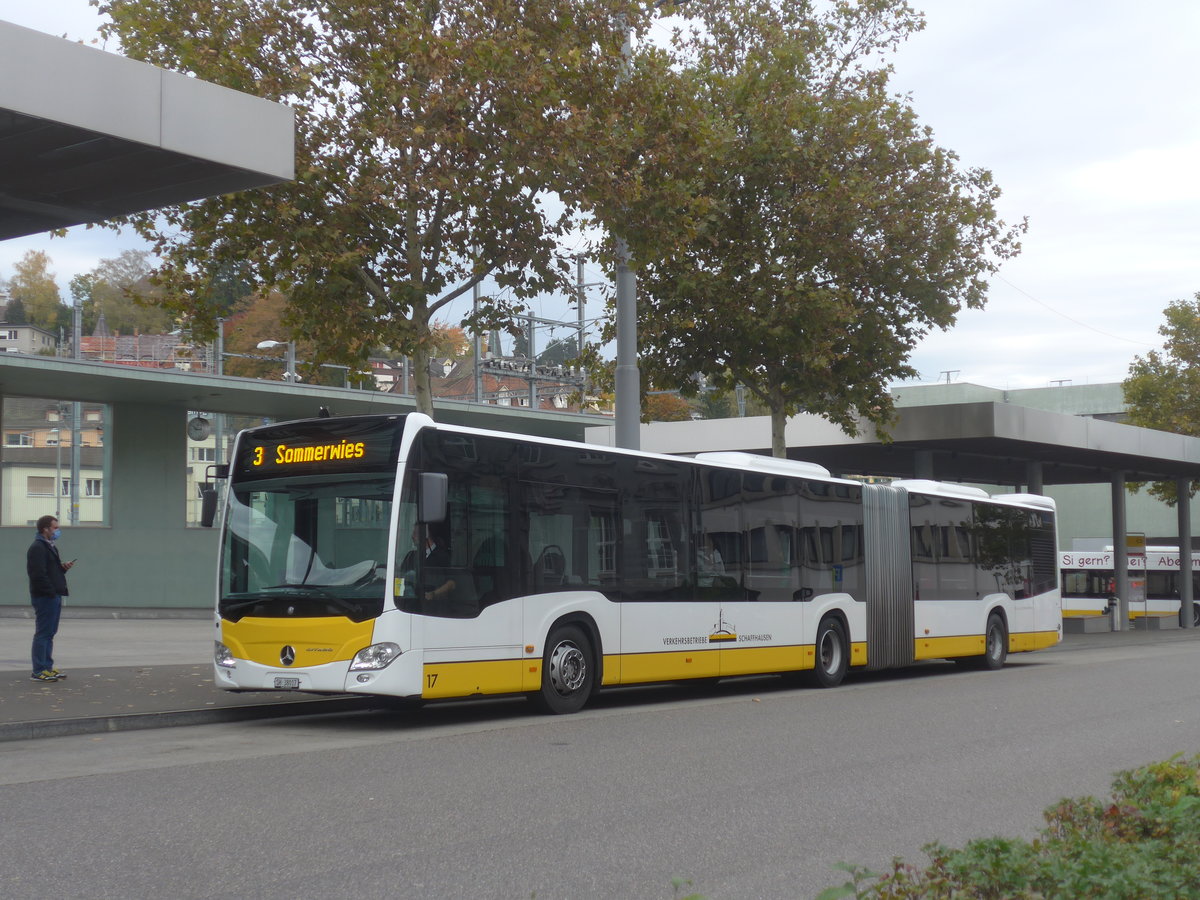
<point x="1089" y="582"/>
<point x="390" y="555"/>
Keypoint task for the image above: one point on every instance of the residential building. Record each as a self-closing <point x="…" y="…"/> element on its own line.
<point x="38" y="458"/>
<point x="27" y="339"/>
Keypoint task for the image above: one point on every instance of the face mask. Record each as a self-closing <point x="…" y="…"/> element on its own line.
<point x="57" y="534"/>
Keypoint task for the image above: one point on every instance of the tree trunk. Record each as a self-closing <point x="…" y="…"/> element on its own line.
<point x="422" y="389"/>
<point x="778" y="422"/>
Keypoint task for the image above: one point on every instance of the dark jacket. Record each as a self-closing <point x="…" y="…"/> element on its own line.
<point x="46" y="575"/>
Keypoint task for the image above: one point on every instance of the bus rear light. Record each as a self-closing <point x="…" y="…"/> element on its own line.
<point x="377" y="656"/>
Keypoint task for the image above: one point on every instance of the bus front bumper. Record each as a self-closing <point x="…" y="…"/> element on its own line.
<point x="400" y="678"/>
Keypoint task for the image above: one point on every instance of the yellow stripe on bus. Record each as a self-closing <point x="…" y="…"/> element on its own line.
<point x="637" y="668"/>
<point x="975" y="644"/>
<point x="858" y="654"/>
<point x="315" y="641"/>
<point x="465" y="679"/>
<point x="942" y="647"/>
<point x="1032" y="640"/>
<point x="753" y="660"/>
<point x="514" y="676"/>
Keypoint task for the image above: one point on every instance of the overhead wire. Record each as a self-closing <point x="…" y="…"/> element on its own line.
<point x="1071" y="319"/>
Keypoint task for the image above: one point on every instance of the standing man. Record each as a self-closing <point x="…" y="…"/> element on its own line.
<point x="47" y="587"/>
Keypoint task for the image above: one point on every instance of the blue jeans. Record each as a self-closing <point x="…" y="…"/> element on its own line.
<point x="46" y="612"/>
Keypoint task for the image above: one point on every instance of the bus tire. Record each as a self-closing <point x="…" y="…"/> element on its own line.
<point x="832" y="657"/>
<point x="995" y="643"/>
<point x="568" y="672"/>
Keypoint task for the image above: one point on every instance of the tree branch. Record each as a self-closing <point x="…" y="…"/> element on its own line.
<point x="458" y="291"/>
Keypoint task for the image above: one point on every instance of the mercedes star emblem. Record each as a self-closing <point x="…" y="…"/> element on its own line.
<point x="287" y="655"/>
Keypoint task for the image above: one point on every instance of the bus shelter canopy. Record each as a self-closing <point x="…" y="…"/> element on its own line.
<point x="977" y="442"/>
<point x="87" y="135"/>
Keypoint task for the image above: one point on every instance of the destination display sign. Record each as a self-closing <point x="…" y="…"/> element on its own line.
<point x="318" y="447"/>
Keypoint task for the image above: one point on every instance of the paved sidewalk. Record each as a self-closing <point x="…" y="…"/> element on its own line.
<point x="125" y="674"/>
<point x="130" y="673"/>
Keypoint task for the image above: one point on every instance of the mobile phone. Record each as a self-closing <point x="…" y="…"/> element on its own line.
<point x="72" y="562"/>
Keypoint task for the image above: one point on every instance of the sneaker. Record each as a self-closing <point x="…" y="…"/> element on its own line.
<point x="57" y="674"/>
<point x="44" y="676"/>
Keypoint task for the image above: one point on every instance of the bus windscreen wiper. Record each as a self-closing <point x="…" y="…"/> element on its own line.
<point x="313" y="589"/>
<point x="321" y="593"/>
<point x="280" y="592"/>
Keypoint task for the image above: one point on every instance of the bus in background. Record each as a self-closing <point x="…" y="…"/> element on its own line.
<point x="391" y="555"/>
<point x="1089" y="582"/>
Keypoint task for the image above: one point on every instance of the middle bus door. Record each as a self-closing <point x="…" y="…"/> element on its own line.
<point x="762" y="623"/>
<point x="667" y="619"/>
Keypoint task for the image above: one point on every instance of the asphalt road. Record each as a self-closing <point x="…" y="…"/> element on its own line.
<point x="748" y="790"/>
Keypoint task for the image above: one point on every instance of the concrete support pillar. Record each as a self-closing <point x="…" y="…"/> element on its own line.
<point x="1120" y="550"/>
<point x="1184" y="508"/>
<point x="1033" y="476"/>
<point x="923" y="464"/>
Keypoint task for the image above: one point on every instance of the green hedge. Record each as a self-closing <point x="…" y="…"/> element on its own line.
<point x="1142" y="843"/>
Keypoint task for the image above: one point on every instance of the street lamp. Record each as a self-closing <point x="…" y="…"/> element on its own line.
<point x="289" y="375"/>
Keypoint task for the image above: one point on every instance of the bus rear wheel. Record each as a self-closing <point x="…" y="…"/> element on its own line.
<point x="995" y="646"/>
<point x="832" y="653"/>
<point x="568" y="674"/>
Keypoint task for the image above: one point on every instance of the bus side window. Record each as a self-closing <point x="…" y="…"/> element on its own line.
<point x="771" y="508"/>
<point x="720" y="529"/>
<point x="570" y="537"/>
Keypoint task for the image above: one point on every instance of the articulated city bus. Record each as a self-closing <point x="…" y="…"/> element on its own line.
<point x="390" y="555"/>
<point x="1089" y="582"/>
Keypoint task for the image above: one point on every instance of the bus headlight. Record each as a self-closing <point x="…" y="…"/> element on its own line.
<point x="223" y="656"/>
<point x="377" y="656"/>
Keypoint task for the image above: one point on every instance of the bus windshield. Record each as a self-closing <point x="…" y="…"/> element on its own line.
<point x="310" y="546"/>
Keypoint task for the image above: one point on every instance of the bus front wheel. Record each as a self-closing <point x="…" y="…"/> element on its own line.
<point x="832" y="653"/>
<point x="568" y="674"/>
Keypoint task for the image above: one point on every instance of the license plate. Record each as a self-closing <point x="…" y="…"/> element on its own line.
<point x="287" y="684"/>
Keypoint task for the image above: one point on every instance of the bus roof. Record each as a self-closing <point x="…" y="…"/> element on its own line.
<point x="765" y="464"/>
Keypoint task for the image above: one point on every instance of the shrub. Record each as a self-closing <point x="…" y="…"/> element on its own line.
<point x="1139" y="845"/>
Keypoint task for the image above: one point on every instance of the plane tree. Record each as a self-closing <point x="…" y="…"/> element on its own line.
<point x="1162" y="390"/>
<point x="438" y="145"/>
<point x="837" y="233"/>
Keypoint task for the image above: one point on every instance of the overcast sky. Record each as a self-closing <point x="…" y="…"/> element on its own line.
<point x="1085" y="111"/>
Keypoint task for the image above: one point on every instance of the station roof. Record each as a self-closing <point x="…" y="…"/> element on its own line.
<point x="53" y="378"/>
<point x="977" y="442"/>
<point x="87" y="135"/>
